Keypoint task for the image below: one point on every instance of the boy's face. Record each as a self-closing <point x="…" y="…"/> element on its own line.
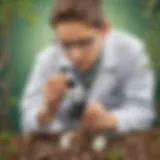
<point x="81" y="42"/>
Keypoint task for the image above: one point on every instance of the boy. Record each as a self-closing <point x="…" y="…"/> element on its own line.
<point x="110" y="65"/>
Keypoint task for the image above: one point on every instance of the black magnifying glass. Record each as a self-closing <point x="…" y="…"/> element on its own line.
<point x="78" y="103"/>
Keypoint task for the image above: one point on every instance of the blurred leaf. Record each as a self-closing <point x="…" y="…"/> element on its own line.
<point x="12" y="149"/>
<point x="146" y="13"/>
<point x="114" y="155"/>
<point x="5" y="135"/>
<point x="31" y="19"/>
<point x="158" y="140"/>
<point x="1" y="65"/>
<point x="13" y="100"/>
<point x="22" y="8"/>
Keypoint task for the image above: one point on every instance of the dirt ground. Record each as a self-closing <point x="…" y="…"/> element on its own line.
<point x="137" y="146"/>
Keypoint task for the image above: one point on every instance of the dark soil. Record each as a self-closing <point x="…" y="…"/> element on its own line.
<point x="137" y="146"/>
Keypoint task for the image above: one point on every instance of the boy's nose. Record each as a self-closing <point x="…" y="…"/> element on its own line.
<point x="76" y="54"/>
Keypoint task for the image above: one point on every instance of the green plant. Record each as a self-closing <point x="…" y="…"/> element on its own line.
<point x="22" y="8"/>
<point x="9" y="9"/>
<point x="5" y="136"/>
<point x="158" y="140"/>
<point x="12" y="149"/>
<point x="152" y="36"/>
<point x="114" y="155"/>
<point x="152" y="15"/>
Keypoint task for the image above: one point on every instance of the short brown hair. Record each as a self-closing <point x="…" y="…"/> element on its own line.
<point x="89" y="11"/>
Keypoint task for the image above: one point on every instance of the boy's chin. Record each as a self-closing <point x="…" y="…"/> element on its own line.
<point x="84" y="68"/>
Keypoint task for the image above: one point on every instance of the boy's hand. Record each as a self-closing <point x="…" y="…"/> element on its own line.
<point x="97" y="118"/>
<point x="53" y="91"/>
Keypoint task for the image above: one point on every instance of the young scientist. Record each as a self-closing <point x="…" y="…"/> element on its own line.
<point x="110" y="66"/>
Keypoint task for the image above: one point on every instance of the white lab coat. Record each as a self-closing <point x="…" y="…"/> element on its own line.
<point x="124" y="84"/>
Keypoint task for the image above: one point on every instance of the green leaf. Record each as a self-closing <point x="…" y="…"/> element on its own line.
<point x="114" y="155"/>
<point x="13" y="100"/>
<point x="5" y="135"/>
<point x="1" y="65"/>
<point x="31" y="19"/>
<point x="12" y="149"/>
<point x="158" y="140"/>
<point x="22" y="8"/>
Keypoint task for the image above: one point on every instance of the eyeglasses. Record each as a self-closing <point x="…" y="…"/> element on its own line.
<point x="80" y="43"/>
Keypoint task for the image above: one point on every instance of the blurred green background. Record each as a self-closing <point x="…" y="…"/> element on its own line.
<point x="27" y="32"/>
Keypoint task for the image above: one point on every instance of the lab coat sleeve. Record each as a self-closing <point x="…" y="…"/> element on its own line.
<point x="137" y="111"/>
<point x="32" y="98"/>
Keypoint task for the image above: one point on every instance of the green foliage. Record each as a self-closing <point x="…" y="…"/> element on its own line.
<point x="12" y="149"/>
<point x="152" y="15"/>
<point x="13" y="101"/>
<point x="158" y="140"/>
<point x="1" y="65"/>
<point x="5" y="135"/>
<point x="114" y="155"/>
<point x="22" y="8"/>
<point x="152" y="37"/>
<point x="152" y="7"/>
